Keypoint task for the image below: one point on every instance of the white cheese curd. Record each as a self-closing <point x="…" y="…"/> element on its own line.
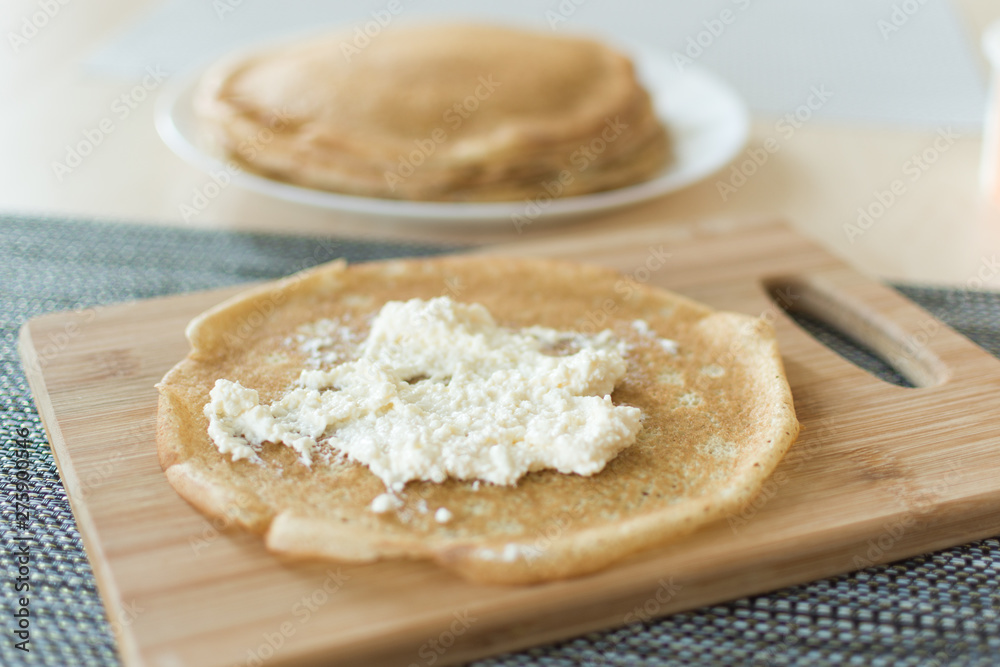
<point x="439" y="390"/>
<point x="643" y="328"/>
<point x="385" y="502"/>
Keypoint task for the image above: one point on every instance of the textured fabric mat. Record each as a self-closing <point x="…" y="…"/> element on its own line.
<point x="937" y="609"/>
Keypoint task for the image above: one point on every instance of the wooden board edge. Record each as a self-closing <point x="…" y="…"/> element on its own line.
<point x="556" y="246"/>
<point x="34" y="367"/>
<point x="550" y="247"/>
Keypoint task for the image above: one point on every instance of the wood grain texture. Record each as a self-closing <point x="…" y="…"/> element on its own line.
<point x="879" y="473"/>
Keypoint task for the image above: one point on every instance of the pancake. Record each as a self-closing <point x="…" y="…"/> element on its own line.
<point x="439" y="112"/>
<point x="717" y="416"/>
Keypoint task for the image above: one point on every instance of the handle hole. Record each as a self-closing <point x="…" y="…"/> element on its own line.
<point x="853" y="351"/>
<point x="873" y="344"/>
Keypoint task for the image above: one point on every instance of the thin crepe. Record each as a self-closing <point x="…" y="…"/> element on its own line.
<point x="717" y="418"/>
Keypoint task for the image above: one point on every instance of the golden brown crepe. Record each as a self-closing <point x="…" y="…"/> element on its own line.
<point x="717" y="418"/>
<point x="439" y="112"/>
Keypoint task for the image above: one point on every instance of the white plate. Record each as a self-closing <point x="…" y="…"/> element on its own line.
<point x="707" y="121"/>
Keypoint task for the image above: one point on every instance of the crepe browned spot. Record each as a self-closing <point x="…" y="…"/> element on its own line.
<point x="437" y="112"/>
<point x="717" y="418"/>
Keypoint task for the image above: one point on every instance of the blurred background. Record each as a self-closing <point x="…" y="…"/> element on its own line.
<point x="849" y="90"/>
<point x="885" y="62"/>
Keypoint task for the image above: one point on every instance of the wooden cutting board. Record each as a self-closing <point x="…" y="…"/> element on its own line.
<point x="880" y="472"/>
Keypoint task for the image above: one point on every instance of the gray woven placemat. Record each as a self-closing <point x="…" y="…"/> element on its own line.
<point x="942" y="608"/>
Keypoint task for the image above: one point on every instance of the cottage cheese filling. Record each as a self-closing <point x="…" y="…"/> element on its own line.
<point x="439" y="390"/>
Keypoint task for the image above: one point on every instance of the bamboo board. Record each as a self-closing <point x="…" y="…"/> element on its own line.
<point x="880" y="473"/>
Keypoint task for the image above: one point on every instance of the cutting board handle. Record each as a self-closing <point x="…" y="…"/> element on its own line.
<point x="908" y="338"/>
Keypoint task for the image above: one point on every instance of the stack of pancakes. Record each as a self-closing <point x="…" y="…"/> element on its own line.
<point x="437" y="113"/>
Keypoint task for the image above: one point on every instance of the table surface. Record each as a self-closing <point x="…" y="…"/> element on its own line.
<point x="941" y="232"/>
